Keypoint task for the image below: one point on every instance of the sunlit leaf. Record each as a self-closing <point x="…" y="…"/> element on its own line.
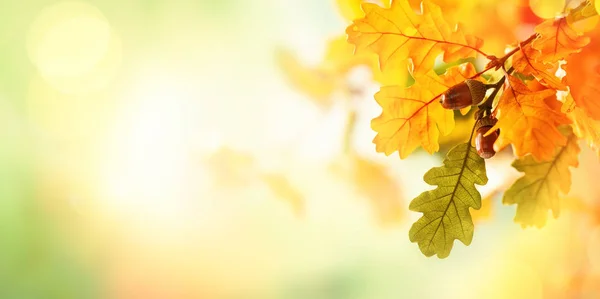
<point x="413" y="117"/>
<point x="538" y="190"/>
<point x="403" y="39"/>
<point x="557" y="40"/>
<point x="583" y="76"/>
<point x="525" y="63"/>
<point x="445" y="209"/>
<point x="528" y="119"/>
<point x="586" y="128"/>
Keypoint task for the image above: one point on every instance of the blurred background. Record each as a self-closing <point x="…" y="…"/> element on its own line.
<point x="222" y="149"/>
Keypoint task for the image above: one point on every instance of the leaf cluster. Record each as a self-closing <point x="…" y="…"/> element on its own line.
<point x="540" y="100"/>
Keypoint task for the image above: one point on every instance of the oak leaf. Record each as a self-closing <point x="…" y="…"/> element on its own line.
<point x="586" y="128"/>
<point x="528" y="119"/>
<point x="583" y="77"/>
<point x="445" y="209"/>
<point x="524" y="62"/>
<point x="557" y="40"/>
<point x="403" y="39"/>
<point x="504" y="15"/>
<point x="412" y="116"/>
<point x="538" y="190"/>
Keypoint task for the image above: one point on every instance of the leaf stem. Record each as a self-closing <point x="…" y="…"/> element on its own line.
<point x="473" y="131"/>
<point x="500" y="61"/>
<point x="487" y="105"/>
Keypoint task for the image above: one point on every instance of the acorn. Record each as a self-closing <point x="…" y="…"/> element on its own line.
<point x="464" y="94"/>
<point x="485" y="144"/>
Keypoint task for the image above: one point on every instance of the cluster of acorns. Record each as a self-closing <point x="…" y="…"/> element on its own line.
<point x="471" y="93"/>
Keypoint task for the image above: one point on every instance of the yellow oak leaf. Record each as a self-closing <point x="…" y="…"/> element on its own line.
<point x="586" y="128"/>
<point x="557" y="40"/>
<point x="583" y="76"/>
<point x="525" y="63"/>
<point x="340" y="59"/>
<point x="504" y="17"/>
<point x="403" y="39"/>
<point x="412" y="116"/>
<point x="538" y="190"/>
<point x="528" y="119"/>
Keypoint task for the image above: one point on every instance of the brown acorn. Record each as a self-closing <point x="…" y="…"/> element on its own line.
<point x="485" y="144"/>
<point x="464" y="94"/>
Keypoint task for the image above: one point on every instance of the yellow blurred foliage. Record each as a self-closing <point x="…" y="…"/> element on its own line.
<point x="372" y="181"/>
<point x="283" y="189"/>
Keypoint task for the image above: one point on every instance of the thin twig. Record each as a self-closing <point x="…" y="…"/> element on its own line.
<point x="487" y="105"/>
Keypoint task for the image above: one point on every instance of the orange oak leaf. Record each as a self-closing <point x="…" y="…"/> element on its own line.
<point x="528" y="118"/>
<point x="586" y="128"/>
<point x="507" y="17"/>
<point x="403" y="39"/>
<point x="412" y="116"/>
<point x="557" y="40"/>
<point x="525" y="63"/>
<point x="583" y="76"/>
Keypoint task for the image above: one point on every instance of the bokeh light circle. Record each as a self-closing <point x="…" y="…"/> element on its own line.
<point x="73" y="47"/>
<point x="547" y="9"/>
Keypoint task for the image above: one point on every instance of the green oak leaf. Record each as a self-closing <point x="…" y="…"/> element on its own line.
<point x="446" y="215"/>
<point x="537" y="191"/>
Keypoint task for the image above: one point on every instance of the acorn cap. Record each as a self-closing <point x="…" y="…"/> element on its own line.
<point x="477" y="89"/>
<point x="486" y="122"/>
